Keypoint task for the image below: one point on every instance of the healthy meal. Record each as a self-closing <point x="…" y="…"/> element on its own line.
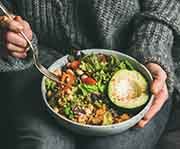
<point x="97" y="89"/>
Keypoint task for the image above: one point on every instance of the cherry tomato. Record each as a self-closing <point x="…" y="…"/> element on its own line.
<point x="88" y="80"/>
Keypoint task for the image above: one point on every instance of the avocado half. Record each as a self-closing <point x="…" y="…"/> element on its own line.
<point x="128" y="89"/>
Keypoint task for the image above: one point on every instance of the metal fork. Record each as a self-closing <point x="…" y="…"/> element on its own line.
<point x="38" y="65"/>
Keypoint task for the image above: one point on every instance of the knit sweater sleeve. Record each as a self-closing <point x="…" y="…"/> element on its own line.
<point x="9" y="63"/>
<point x="154" y="32"/>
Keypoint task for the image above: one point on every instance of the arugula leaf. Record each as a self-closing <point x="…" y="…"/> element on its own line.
<point x="90" y="88"/>
<point x="83" y="90"/>
<point x="129" y="65"/>
<point x="101" y="86"/>
<point x="122" y="65"/>
<point x="50" y="85"/>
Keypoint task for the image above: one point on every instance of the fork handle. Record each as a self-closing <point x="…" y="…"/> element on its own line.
<point x="6" y="12"/>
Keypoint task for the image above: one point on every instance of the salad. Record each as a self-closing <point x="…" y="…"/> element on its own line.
<point x="82" y="95"/>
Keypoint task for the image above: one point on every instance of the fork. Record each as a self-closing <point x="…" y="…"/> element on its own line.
<point x="36" y="62"/>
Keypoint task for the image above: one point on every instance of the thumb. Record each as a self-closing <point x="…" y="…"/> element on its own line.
<point x="18" y="18"/>
<point x="15" y="24"/>
<point x="157" y="85"/>
<point x="159" y="76"/>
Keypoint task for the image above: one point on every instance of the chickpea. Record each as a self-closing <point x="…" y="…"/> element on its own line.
<point x="84" y="76"/>
<point x="125" y="117"/>
<point x="56" y="109"/>
<point x="79" y="72"/>
<point x="49" y="93"/>
<point x="82" y="119"/>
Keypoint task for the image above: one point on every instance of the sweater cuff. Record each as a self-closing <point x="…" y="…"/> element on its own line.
<point x="164" y="11"/>
<point x="9" y="63"/>
<point x="152" y="42"/>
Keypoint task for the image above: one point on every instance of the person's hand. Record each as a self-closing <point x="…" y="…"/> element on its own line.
<point x="159" y="89"/>
<point x="15" y="44"/>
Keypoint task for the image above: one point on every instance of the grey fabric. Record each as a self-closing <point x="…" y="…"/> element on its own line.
<point x="171" y="137"/>
<point x="35" y="129"/>
<point x="165" y="11"/>
<point x="176" y="59"/>
<point x="170" y="140"/>
<point x="174" y="121"/>
<point x="105" y="24"/>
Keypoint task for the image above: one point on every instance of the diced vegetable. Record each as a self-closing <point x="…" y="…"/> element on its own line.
<point x="67" y="110"/>
<point x="89" y="81"/>
<point x="75" y="64"/>
<point x="86" y="89"/>
<point x="108" y="118"/>
<point x="50" y="85"/>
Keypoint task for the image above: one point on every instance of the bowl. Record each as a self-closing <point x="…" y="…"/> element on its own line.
<point x="93" y="130"/>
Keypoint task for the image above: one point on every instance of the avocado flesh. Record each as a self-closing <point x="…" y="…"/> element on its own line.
<point x="128" y="89"/>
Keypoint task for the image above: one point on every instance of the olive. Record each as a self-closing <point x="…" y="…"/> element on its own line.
<point x="95" y="97"/>
<point x="64" y="68"/>
<point x="78" y="110"/>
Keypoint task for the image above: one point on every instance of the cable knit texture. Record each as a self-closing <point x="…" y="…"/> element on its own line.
<point x="145" y="29"/>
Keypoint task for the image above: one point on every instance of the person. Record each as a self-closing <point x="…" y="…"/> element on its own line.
<point x="143" y="29"/>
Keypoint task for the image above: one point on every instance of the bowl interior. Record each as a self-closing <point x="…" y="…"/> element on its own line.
<point x="138" y="66"/>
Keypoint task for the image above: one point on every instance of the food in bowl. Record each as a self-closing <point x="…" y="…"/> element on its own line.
<point x="95" y="88"/>
<point x="128" y="89"/>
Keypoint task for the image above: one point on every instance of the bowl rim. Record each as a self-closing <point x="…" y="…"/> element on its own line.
<point x="98" y="50"/>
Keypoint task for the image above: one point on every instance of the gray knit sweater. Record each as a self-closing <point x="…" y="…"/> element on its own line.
<point x="144" y="29"/>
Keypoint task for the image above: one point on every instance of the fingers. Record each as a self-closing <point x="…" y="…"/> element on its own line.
<point x="19" y="55"/>
<point x="27" y="30"/>
<point x="159" y="76"/>
<point x="18" y="18"/>
<point x="11" y="24"/>
<point x="158" y="88"/>
<point x="14" y="38"/>
<point x="15" y="26"/>
<point x="159" y="101"/>
<point x="157" y="85"/>
<point x="14" y="48"/>
<point x="15" y="44"/>
<point x="26" y="27"/>
<point x="14" y="41"/>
